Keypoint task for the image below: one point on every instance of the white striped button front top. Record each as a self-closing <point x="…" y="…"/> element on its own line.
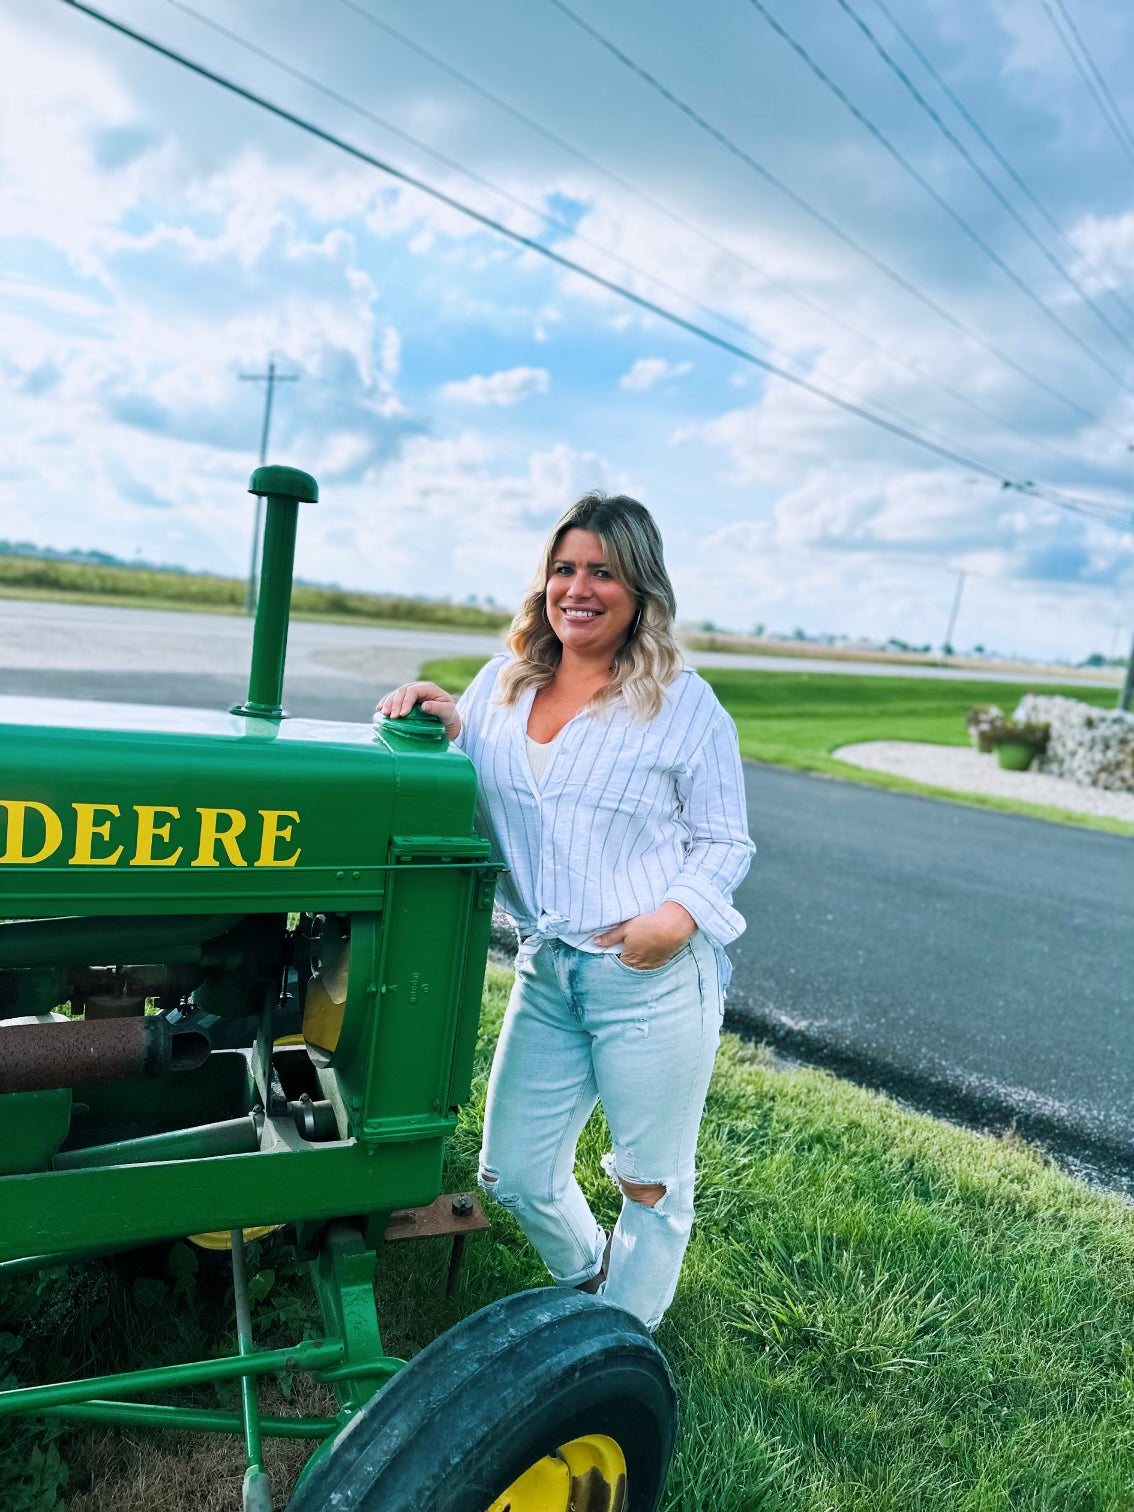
<point x="629" y="813"/>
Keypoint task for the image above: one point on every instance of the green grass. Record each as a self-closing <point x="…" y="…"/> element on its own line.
<point x="796" y="719"/>
<point x="878" y="1313"/>
<point x="81" y="582"/>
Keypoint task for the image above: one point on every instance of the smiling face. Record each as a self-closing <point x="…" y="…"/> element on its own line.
<point x="590" y="611"/>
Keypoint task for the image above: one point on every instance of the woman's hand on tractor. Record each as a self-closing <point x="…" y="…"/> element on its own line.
<point x="649" y="940"/>
<point x="433" y="700"/>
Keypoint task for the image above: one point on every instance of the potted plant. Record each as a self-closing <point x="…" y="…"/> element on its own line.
<point x="1017" y="745"/>
<point x="980" y="722"/>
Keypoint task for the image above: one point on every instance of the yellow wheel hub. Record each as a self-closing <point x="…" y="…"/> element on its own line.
<point x="586" y="1475"/>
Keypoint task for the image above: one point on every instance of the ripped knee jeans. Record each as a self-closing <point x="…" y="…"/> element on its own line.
<point x="583" y="1028"/>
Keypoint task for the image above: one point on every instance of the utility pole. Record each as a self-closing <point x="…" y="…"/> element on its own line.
<point x="270" y="378"/>
<point x="1126" y="697"/>
<point x="948" y="646"/>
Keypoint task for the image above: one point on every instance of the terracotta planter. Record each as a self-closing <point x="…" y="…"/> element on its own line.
<point x="1015" y="755"/>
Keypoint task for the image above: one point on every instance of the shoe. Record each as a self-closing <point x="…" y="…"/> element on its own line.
<point x="596" y="1281"/>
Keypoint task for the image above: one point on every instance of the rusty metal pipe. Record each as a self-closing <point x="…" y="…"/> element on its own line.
<point x="38" y="1057"/>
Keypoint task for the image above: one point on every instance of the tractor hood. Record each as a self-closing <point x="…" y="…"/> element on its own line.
<point x="123" y="808"/>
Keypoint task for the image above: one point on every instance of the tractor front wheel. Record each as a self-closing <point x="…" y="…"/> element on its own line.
<point x="547" y="1401"/>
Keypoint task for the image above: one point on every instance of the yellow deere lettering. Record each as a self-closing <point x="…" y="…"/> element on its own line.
<point x="211" y="834"/>
<point x="100" y="838"/>
<point x="86" y="830"/>
<point x="17" y="810"/>
<point x="149" y="831"/>
<point x="272" y="832"/>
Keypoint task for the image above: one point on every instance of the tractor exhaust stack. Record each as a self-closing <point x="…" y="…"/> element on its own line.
<point x="284" y="488"/>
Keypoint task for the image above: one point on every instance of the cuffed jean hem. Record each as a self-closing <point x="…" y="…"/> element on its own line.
<point x="590" y="1272"/>
<point x="550" y="1227"/>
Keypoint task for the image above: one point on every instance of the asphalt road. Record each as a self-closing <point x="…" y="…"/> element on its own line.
<point x="38" y="633"/>
<point x="980" y="965"/>
<point x="174" y="657"/>
<point x="976" y="964"/>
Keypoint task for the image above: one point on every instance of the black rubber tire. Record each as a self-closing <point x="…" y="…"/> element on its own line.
<point x="482" y="1403"/>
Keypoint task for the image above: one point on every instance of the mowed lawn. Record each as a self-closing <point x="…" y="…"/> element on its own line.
<point x="878" y="1313"/>
<point x="797" y="719"/>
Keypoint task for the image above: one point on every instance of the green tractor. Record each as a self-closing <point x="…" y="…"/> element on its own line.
<point x="240" y="981"/>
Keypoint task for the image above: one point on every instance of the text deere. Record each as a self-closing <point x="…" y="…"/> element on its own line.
<point x="147" y="834"/>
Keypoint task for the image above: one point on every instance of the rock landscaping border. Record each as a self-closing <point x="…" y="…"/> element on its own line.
<point x="960" y="769"/>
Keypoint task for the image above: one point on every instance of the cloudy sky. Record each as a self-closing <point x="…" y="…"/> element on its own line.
<point x="455" y="391"/>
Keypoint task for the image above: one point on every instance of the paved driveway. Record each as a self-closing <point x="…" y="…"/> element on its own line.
<point x="980" y="964"/>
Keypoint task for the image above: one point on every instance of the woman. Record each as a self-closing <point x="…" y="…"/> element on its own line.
<point x="610" y="781"/>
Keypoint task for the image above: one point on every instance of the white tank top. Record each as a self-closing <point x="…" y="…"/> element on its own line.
<point x="538" y="757"/>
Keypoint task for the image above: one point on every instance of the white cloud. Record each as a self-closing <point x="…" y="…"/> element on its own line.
<point x="648" y="371"/>
<point x="548" y="316"/>
<point x="165" y="238"/>
<point x="507" y="387"/>
<point x="391" y="353"/>
<point x="1106" y="247"/>
<point x="449" y="516"/>
<point x="749" y="574"/>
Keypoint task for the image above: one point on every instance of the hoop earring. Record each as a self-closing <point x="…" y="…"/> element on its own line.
<point x="637" y="622"/>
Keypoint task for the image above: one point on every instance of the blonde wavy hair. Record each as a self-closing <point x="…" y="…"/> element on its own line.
<point x="650" y="658"/>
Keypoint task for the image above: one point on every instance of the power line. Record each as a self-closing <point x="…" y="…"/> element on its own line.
<point x="951" y="137"/>
<point x="538" y="213"/>
<point x="920" y="179"/>
<point x="350" y="398"/>
<point x="824" y="220"/>
<point x="1115" y="515"/>
<point x="917" y="368"/>
<point x="916" y="559"/>
<point x="978" y="130"/>
<point x="526" y="241"/>
<point x="552" y="221"/>
<point x="1099" y="91"/>
<point x="405" y="136"/>
<point x="947" y="453"/>
<point x="1118" y="516"/>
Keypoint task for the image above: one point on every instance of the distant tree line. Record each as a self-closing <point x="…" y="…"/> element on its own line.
<point x="20" y="573"/>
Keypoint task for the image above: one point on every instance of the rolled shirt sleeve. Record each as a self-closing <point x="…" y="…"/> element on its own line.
<point x="719" y="849"/>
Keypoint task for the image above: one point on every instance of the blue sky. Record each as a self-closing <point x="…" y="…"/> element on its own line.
<point x="456" y="392"/>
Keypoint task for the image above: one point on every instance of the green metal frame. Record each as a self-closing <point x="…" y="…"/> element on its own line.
<point x="350" y="1358"/>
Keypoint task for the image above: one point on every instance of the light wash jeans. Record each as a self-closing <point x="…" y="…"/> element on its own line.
<point x="580" y="1028"/>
